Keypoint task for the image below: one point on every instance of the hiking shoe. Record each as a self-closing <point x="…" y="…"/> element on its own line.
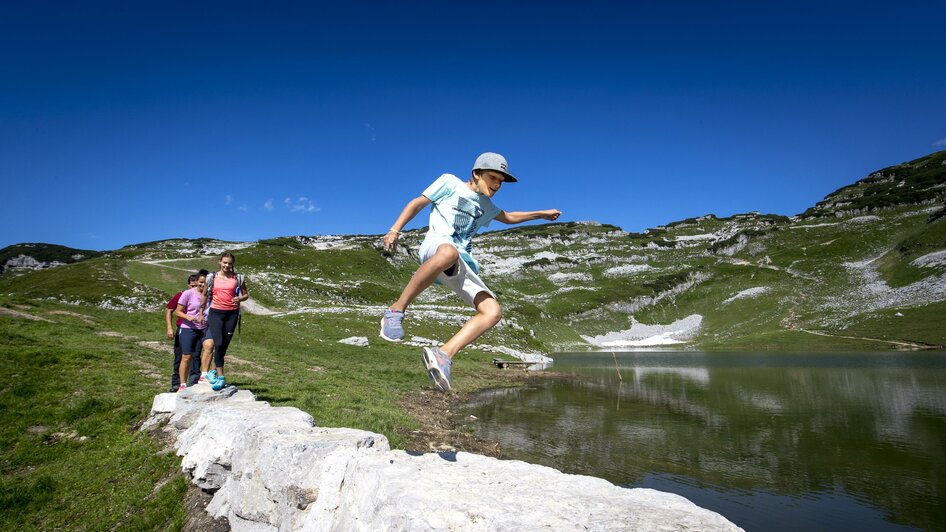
<point x="182" y="387"/>
<point x="438" y="367"/>
<point x="219" y="384"/>
<point x="174" y="388"/>
<point x="391" y="329"/>
<point x="212" y="376"/>
<point x="203" y="379"/>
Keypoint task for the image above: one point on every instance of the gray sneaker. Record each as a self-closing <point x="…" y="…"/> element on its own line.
<point x="438" y="367"/>
<point x="391" y="329"/>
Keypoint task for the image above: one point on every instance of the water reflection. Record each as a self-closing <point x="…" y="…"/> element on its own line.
<point x="865" y="432"/>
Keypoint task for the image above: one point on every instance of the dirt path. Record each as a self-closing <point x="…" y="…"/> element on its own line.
<point x="162" y="264"/>
<point x="251" y="306"/>
<point x="20" y="314"/>
<point x="88" y="320"/>
<point x="897" y="343"/>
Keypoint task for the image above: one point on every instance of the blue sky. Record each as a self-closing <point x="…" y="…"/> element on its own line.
<point x="125" y="122"/>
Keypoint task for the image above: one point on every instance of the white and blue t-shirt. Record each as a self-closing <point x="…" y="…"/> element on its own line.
<point x="456" y="214"/>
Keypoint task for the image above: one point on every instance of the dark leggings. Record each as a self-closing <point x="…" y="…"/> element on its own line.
<point x="221" y="324"/>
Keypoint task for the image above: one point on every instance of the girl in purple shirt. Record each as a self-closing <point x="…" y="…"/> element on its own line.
<point x="193" y="326"/>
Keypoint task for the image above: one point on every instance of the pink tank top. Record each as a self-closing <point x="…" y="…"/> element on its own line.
<point x="224" y="292"/>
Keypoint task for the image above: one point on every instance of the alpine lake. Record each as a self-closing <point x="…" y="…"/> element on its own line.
<point x="808" y="441"/>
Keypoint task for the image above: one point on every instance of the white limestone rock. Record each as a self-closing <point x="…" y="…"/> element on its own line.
<point x="359" y="341"/>
<point x="277" y="475"/>
<point x="271" y="469"/>
<point x="163" y="403"/>
<point x="208" y="446"/>
<point x="399" y="491"/>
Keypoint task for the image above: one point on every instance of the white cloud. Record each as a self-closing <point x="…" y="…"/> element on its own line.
<point x="243" y="208"/>
<point x="268" y="205"/>
<point x="941" y="143"/>
<point x="300" y="204"/>
<point x="371" y="132"/>
<point x="228" y="199"/>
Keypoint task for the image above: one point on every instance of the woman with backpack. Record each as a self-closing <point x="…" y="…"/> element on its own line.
<point x="225" y="291"/>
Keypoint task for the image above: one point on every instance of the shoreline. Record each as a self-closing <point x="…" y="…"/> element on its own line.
<point x="439" y="426"/>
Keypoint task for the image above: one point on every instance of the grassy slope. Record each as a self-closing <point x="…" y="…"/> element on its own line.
<point x="61" y="385"/>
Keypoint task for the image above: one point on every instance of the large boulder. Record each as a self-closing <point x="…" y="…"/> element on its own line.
<point x="271" y="468"/>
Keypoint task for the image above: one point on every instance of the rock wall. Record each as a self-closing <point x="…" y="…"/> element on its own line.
<point x="270" y="468"/>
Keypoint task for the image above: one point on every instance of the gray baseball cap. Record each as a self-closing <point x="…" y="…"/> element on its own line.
<point x="494" y="161"/>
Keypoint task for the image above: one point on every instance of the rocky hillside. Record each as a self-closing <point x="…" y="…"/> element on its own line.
<point x="20" y="258"/>
<point x="865" y="268"/>
<point x="917" y="182"/>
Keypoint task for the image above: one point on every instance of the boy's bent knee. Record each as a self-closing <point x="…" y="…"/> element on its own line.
<point x="489" y="308"/>
<point x="495" y="315"/>
<point x="446" y="253"/>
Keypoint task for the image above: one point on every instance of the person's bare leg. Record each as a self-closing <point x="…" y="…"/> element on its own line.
<point x="185" y="369"/>
<point x="445" y="257"/>
<point x="488" y="314"/>
<point x="206" y="355"/>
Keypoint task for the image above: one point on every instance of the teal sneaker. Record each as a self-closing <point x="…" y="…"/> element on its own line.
<point x="212" y="376"/>
<point x="438" y="367"/>
<point x="219" y="384"/>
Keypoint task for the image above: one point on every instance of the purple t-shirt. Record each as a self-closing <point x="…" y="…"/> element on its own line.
<point x="190" y="300"/>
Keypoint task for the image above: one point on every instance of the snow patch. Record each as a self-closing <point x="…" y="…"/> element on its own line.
<point x="937" y="258"/>
<point x="748" y="292"/>
<point x="641" y="335"/>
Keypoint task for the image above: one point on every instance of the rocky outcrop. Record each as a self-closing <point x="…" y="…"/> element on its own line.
<point x="26" y="262"/>
<point x="270" y="468"/>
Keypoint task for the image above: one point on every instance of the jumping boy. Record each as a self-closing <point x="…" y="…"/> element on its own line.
<point x="459" y="210"/>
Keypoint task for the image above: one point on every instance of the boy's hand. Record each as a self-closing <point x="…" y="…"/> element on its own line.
<point x="390" y="241"/>
<point x="551" y="214"/>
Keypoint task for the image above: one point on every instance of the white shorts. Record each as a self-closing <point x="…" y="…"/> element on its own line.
<point x="464" y="281"/>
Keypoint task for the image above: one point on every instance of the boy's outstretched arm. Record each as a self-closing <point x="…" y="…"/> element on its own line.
<point x="410" y="211"/>
<point x="525" y="216"/>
